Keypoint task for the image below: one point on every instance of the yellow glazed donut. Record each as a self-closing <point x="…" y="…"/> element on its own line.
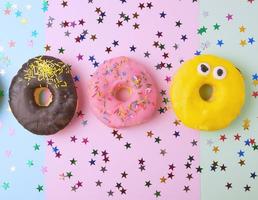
<point x="207" y="92"/>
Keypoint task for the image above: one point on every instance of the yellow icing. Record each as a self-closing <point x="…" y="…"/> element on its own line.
<point x="225" y="103"/>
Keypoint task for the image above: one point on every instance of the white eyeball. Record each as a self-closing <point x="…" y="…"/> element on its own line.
<point x="203" y="69"/>
<point x="219" y="72"/>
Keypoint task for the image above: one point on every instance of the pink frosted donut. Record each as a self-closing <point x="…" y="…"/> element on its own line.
<point x="119" y="75"/>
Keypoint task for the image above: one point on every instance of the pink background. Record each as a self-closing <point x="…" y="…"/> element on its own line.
<point x="100" y="137"/>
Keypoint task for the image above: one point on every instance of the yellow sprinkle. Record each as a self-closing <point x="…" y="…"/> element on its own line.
<point x="46" y="70"/>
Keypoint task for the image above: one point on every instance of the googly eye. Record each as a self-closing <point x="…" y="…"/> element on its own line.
<point x="203" y="69"/>
<point x="219" y="72"/>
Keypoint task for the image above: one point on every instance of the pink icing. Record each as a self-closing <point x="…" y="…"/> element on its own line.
<point x="103" y="86"/>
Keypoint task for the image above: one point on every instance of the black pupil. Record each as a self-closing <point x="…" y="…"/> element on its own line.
<point x="204" y="68"/>
<point x="220" y="72"/>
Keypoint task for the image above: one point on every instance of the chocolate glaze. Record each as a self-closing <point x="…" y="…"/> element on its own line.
<point x="37" y="119"/>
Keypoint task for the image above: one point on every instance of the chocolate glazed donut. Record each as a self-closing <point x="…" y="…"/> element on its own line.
<point x="51" y="73"/>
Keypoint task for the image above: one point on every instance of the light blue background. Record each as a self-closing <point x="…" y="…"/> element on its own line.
<point x="24" y="180"/>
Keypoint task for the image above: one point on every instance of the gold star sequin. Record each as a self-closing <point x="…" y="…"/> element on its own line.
<point x="246" y="124"/>
<point x="177" y="122"/>
<point x="243" y="43"/>
<point x="150" y="134"/>
<point x="215" y="149"/>
<point x="242" y="29"/>
<point x="255" y="82"/>
<point x="163" y="179"/>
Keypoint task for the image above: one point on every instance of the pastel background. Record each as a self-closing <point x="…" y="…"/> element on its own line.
<point x="160" y="159"/>
<point x="22" y="154"/>
<point x="231" y="33"/>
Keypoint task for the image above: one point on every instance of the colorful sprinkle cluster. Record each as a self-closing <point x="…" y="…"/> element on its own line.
<point x="104" y="92"/>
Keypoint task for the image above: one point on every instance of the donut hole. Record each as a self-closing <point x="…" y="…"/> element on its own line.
<point x="43" y="96"/>
<point x="206" y="92"/>
<point x="122" y="93"/>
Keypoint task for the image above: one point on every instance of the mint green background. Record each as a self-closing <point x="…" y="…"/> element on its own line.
<point x="213" y="183"/>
